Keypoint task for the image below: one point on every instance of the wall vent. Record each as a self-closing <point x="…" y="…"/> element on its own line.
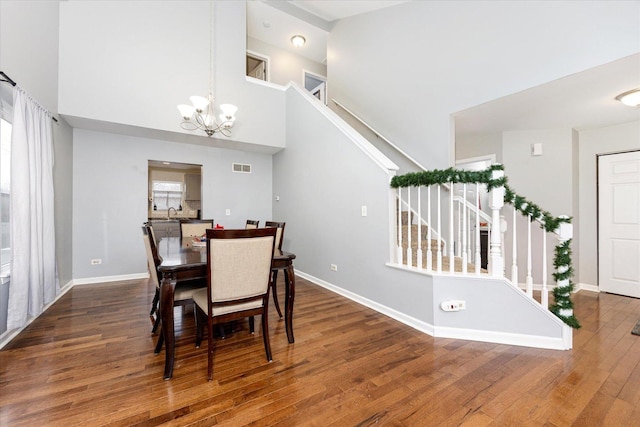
<point x="240" y="167"/>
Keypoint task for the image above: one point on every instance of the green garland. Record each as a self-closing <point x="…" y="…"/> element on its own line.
<point x="562" y="260"/>
<point x="562" y="292"/>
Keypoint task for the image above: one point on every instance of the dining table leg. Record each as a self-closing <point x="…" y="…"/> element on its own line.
<point x="289" y="296"/>
<point x="166" y="309"/>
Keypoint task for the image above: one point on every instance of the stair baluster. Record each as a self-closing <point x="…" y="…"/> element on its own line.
<point x="529" y="280"/>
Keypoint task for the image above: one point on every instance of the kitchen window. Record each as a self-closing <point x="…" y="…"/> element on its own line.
<point x="167" y="194"/>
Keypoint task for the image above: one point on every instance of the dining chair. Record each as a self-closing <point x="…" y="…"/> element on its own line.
<point x="194" y="227"/>
<point x="238" y="275"/>
<point x="251" y="224"/>
<point x="156" y="297"/>
<point x="279" y="226"/>
<point x="183" y="291"/>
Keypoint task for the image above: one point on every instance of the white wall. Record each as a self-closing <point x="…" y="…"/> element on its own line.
<point x="407" y="68"/>
<point x="29" y="55"/>
<point x="547" y="181"/>
<point x="110" y="191"/>
<point x="468" y="147"/>
<point x="285" y="66"/>
<point x="130" y="63"/>
<point x="611" y="139"/>
<point x="321" y="195"/>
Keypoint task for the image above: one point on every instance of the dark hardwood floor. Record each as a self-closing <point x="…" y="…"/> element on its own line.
<point x="89" y="361"/>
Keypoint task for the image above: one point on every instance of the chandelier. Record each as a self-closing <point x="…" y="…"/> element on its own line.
<point x="201" y="114"/>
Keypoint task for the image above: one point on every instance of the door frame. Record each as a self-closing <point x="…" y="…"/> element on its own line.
<point x="323" y="79"/>
<point x="598" y="201"/>
<point x="264" y="58"/>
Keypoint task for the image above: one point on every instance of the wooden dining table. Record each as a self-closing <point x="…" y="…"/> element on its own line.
<point x="181" y="261"/>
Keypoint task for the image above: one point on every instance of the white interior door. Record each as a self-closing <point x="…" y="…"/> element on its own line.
<point x="619" y="223"/>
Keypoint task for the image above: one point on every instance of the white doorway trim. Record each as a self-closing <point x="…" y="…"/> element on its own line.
<point x="489" y="159"/>
<point x="264" y="58"/>
<point x="321" y="87"/>
<point x="619" y="223"/>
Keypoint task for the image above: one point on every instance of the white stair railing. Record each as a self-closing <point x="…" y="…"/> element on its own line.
<point x="458" y="214"/>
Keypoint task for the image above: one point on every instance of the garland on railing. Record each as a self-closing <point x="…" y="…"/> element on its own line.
<point x="425" y="178"/>
<point x="563" y="306"/>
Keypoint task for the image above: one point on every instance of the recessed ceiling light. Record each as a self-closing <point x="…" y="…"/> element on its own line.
<point x="630" y="98"/>
<point x="298" y="40"/>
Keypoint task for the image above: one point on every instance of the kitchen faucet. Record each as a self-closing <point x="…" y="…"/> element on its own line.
<point x="169" y="212"/>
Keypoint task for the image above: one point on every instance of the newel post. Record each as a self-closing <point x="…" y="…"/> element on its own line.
<point x="565" y="233"/>
<point x="496" y="202"/>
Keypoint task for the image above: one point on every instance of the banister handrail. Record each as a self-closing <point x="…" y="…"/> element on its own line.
<point x="379" y="135"/>
<point x="471" y="206"/>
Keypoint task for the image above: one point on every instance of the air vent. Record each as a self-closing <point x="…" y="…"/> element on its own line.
<point x="240" y="167"/>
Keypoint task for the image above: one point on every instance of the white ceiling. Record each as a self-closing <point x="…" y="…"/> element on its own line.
<point x="332" y="10"/>
<point x="275" y="22"/>
<point x="580" y="101"/>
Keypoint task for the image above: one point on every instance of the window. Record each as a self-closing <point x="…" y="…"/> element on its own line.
<point x="167" y="194"/>
<point x="5" y="185"/>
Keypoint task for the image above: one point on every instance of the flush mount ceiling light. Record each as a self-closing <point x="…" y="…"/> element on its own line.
<point x="298" y="40"/>
<point x="630" y="98"/>
<point x="201" y="115"/>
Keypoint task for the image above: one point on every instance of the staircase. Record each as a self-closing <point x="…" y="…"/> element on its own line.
<point x="435" y="217"/>
<point x="427" y="246"/>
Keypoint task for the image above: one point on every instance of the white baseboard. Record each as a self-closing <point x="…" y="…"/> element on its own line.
<point x="107" y="279"/>
<point x="587" y="287"/>
<point x="10" y="335"/>
<point x="396" y="315"/>
<point x="565" y="343"/>
<point x="504" y="338"/>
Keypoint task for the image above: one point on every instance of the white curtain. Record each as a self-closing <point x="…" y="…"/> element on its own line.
<point x="33" y="264"/>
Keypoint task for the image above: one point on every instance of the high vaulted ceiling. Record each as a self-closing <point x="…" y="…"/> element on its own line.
<point x="579" y="101"/>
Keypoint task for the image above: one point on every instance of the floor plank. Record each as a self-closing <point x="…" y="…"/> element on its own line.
<point x="89" y="361"/>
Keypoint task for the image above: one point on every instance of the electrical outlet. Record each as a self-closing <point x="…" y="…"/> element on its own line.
<point x="96" y="261"/>
<point x="453" y="305"/>
<point x="334" y="267"/>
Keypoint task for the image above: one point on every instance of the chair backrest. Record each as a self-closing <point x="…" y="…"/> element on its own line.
<point x="153" y="259"/>
<point x="194" y="227"/>
<point x="279" y="226"/>
<point x="239" y="263"/>
<point x="251" y="224"/>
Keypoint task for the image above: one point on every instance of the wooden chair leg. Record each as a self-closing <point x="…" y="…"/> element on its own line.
<point x="252" y="327"/>
<point x="275" y="292"/>
<point x="156" y="324"/>
<point x="154" y="303"/>
<point x="210" y="348"/>
<point x="265" y="332"/>
<point x="160" y="342"/>
<point x="199" y="326"/>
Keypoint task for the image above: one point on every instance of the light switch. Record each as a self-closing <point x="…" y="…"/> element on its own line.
<point x="536" y="149"/>
<point x="364" y="210"/>
<point x="227" y="212"/>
